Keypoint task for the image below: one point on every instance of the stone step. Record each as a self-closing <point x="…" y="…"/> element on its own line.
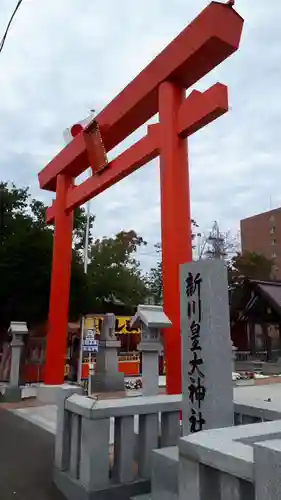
<point x="164" y="478"/>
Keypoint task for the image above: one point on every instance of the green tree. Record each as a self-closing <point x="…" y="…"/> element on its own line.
<point x="38" y="211"/>
<point x="249" y="265"/>
<point x="26" y="257"/>
<point x="154" y="277"/>
<point x="114" y="272"/>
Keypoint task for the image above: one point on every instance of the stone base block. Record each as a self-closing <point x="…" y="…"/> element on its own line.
<point x="48" y="394"/>
<point x="165" y="470"/>
<point x="73" y="490"/>
<point x="11" y="395"/>
<point x="107" y="382"/>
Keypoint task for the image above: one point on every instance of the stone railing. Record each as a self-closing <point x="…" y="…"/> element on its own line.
<point x="106" y="445"/>
<point x="258" y="411"/>
<point x="235" y="463"/>
<point x="257" y="356"/>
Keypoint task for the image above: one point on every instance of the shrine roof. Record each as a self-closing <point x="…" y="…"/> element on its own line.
<point x="254" y="293"/>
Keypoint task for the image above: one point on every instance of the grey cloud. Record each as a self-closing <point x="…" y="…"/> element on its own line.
<point x="62" y="58"/>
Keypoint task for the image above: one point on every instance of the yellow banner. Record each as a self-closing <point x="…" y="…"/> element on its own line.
<point x="122" y="324"/>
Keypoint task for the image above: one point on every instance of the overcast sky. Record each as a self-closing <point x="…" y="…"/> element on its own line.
<point x="64" y="57"/>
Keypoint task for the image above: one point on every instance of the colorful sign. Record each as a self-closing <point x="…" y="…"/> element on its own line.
<point x="122" y="324"/>
<point x="90" y="344"/>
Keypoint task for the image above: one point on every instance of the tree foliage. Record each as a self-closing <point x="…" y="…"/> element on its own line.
<point x="26" y="255"/>
<point x="154" y="277"/>
<point x="114" y="272"/>
<point x="249" y="265"/>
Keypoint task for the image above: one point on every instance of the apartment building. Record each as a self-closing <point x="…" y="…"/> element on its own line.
<point x="262" y="234"/>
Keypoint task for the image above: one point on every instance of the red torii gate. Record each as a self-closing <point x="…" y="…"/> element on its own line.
<point x="212" y="37"/>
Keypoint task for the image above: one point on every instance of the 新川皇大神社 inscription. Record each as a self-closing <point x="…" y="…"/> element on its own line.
<point x="196" y="388"/>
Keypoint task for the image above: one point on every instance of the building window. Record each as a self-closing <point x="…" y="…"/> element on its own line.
<point x="272" y="230"/>
<point x="273" y="241"/>
<point x="272" y="218"/>
<point x="273" y="255"/>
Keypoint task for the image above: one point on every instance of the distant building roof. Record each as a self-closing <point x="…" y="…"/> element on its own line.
<point x="253" y="291"/>
<point x="271" y="290"/>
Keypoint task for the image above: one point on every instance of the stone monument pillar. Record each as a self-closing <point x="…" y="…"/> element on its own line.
<point x="107" y="377"/>
<point x="18" y="330"/>
<point x="150" y="319"/>
<point x="206" y="346"/>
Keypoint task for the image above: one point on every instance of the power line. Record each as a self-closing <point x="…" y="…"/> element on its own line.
<point x="9" y="25"/>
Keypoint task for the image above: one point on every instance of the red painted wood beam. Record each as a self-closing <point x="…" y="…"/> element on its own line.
<point x="200" y="109"/>
<point x="50" y="213"/>
<point x="209" y="39"/>
<point x="197" y="110"/>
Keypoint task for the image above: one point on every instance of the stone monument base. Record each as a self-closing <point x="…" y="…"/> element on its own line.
<point x="11" y="395"/>
<point x="107" y="382"/>
<point x="48" y="394"/>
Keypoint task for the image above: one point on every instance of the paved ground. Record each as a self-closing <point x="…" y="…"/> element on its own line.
<point x="26" y="460"/>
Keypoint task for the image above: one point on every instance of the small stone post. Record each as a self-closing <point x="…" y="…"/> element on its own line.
<point x="18" y="330"/>
<point x="107" y="377"/>
<point x="150" y="319"/>
<point x="234" y="354"/>
<point x="206" y="346"/>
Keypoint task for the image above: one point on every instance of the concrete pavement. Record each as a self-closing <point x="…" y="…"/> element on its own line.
<point x="26" y="460"/>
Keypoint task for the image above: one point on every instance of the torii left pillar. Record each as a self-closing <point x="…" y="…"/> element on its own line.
<point x="60" y="285"/>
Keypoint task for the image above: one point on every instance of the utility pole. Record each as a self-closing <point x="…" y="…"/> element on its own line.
<point x="68" y="135"/>
<point x="86" y="257"/>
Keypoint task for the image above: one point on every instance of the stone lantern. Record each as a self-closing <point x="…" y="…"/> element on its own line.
<point x="107" y="377"/>
<point x="18" y="330"/>
<point x="150" y="319"/>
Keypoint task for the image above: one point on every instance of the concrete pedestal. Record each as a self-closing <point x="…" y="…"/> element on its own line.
<point x="11" y="394"/>
<point x="49" y="394"/>
<point x="107" y="382"/>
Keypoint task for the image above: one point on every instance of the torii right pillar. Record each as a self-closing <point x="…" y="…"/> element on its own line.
<point x="175" y="221"/>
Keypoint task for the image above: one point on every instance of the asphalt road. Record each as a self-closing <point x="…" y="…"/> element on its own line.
<point x="26" y="460"/>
